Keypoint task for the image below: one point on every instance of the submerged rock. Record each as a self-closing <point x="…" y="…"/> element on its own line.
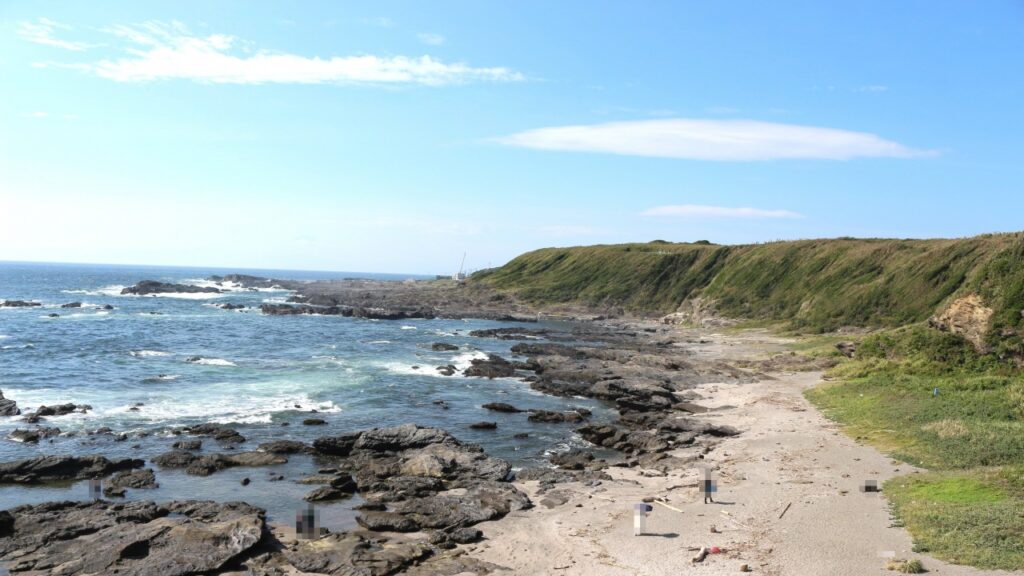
<point x="19" y="304"/>
<point x="204" y="465"/>
<point x="138" y="479"/>
<point x="49" y="468"/>
<point x="501" y="407"/>
<point x="34" y="435"/>
<point x="217" y="432"/>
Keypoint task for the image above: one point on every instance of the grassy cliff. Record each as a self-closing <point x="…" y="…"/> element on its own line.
<point x="814" y="285"/>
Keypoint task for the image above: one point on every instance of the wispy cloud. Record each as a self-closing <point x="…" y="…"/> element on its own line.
<point x="873" y="88"/>
<point x="431" y="39"/>
<point x="42" y="32"/>
<point x="727" y="140"/>
<point x="382" y="21"/>
<point x="168" y="51"/>
<point x="703" y="211"/>
<point x="562" y="230"/>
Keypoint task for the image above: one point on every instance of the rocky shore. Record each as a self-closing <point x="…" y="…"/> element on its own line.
<point x="423" y="490"/>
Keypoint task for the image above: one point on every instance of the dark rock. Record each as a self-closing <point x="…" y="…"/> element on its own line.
<point x="114" y="491"/>
<point x="549" y="416"/>
<point x="61" y="409"/>
<point x="484" y="426"/>
<point x="572" y="460"/>
<point x="493" y="366"/>
<point x="138" y="479"/>
<point x="443" y="347"/>
<point x="509" y="333"/>
<point x="336" y="445"/>
<point x="34" y="435"/>
<point x="108" y="307"/>
<point x="187" y="445"/>
<point x="314" y="422"/>
<point x="404" y="437"/>
<point x="326" y="493"/>
<point x="448" y="370"/>
<point x="8" y="407"/>
<point x="285" y="447"/>
<point x="217" y="432"/>
<point x="53" y="315"/>
<point x="229" y="306"/>
<point x="465" y="535"/>
<point x="521" y="436"/>
<point x="153" y="287"/>
<point x="501" y="407"/>
<point x="386" y="522"/>
<point x="245" y="481"/>
<point x="49" y="468"/>
<point x="131" y="538"/>
<point x="19" y="304"/>
<point x="71" y="305"/>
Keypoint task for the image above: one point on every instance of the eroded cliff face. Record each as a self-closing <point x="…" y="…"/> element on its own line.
<point x="967" y="316"/>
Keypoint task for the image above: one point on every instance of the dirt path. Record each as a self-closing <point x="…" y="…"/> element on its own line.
<point x="789" y="455"/>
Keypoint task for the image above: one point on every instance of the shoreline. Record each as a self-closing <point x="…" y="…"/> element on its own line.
<point x="686" y="399"/>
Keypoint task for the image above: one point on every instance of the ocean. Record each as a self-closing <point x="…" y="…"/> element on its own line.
<point x="256" y="374"/>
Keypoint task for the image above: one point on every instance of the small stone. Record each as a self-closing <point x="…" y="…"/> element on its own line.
<point x="245" y="481"/>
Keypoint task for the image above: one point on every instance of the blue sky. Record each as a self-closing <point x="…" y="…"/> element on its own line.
<point x="394" y="136"/>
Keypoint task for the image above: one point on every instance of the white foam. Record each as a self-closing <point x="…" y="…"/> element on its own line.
<point x="408" y="327"/>
<point x="148" y="353"/>
<point x="226" y="286"/>
<point x="379" y="342"/>
<point x="465" y="360"/>
<point x="248" y="408"/>
<point x="13" y="346"/>
<point x="111" y="290"/>
<point x="2" y="336"/>
<point x="214" y="362"/>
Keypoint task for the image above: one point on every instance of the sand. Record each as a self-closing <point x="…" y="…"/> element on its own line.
<point x="788" y="455"/>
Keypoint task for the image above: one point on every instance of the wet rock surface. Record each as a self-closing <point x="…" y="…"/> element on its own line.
<point x="153" y="287"/>
<point x="133" y="538"/>
<point x="51" y="468"/>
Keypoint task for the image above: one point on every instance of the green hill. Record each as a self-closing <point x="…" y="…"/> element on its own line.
<point x="815" y="285"/>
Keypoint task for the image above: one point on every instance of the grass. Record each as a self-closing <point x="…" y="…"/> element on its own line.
<point x="810" y="285"/>
<point x="969" y="507"/>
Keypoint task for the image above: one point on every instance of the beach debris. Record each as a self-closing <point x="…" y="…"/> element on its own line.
<point x="715" y="550"/>
<point x="666" y="505"/>
<point x="745" y="568"/>
<point x="701" y="554"/>
<point x="784" y="510"/>
<point x="714" y="529"/>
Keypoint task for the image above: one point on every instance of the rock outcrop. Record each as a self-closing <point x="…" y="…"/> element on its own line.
<point x="8" y="407"/>
<point x="129" y="539"/>
<point x="50" y="468"/>
<point x="969" y="317"/>
<point x="146" y="287"/>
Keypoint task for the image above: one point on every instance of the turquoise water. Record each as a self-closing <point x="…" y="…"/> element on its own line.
<point x="258" y="372"/>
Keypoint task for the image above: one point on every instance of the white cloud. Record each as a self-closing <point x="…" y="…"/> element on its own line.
<point x="431" y="39"/>
<point x="167" y="51"/>
<point x="382" y="21"/>
<point x="735" y="140"/>
<point x="41" y="32"/>
<point x="702" y="211"/>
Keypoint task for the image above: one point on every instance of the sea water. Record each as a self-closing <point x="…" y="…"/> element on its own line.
<point x="256" y="374"/>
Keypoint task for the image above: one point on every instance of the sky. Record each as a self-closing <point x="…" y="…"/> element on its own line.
<point x="397" y="136"/>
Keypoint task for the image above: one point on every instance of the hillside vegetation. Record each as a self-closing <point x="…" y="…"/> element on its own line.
<point x="812" y="285"/>
<point x="928" y="398"/>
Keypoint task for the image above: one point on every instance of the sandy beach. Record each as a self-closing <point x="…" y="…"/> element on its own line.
<point x="789" y="459"/>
